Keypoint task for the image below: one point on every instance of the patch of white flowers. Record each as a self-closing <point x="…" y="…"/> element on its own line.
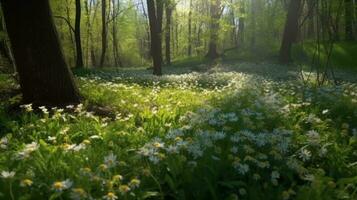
<point x="27" y="150"/>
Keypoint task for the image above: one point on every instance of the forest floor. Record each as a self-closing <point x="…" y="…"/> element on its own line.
<point x="221" y="131"/>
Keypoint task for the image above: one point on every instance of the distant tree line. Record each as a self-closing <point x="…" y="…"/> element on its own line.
<point x="116" y="33"/>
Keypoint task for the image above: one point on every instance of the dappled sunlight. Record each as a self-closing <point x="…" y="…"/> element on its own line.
<point x="223" y="128"/>
<point x="178" y="100"/>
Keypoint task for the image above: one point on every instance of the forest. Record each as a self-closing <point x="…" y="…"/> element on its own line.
<point x="178" y="99"/>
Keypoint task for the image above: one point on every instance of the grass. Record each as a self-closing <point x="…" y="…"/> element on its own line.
<point x="202" y="131"/>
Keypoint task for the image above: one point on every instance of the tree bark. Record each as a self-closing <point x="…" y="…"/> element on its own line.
<point x="5" y="51"/>
<point x="88" y="4"/>
<point x="234" y="26"/>
<point x="92" y="51"/>
<point x="168" y="11"/>
<point x="77" y="34"/>
<point x="104" y="33"/>
<point x="117" y="60"/>
<point x="349" y="20"/>
<point x="155" y="12"/>
<point x="311" y="15"/>
<point x="241" y="26"/>
<point x="189" y="50"/>
<point x="45" y="77"/>
<point x="291" y="31"/>
<point x="214" y="27"/>
<point x="254" y="24"/>
<point x="71" y="31"/>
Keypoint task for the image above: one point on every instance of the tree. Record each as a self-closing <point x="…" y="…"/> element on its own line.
<point x="104" y="33"/>
<point x="254" y="8"/>
<point x="290" y="31"/>
<point x="115" y="13"/>
<point x="169" y="6"/>
<point x="45" y="77"/>
<point x="190" y="30"/>
<point x="77" y="35"/>
<point x="349" y="19"/>
<point x="241" y="24"/>
<point x="155" y="12"/>
<point x="215" y="11"/>
<point x="311" y="5"/>
<point x="5" y="52"/>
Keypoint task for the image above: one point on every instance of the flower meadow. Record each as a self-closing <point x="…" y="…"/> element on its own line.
<point x="219" y="134"/>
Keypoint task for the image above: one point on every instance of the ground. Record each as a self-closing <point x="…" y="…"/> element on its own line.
<point x="202" y="131"/>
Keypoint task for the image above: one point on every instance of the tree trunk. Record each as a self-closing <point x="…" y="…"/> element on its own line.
<point x="45" y="77"/>
<point x="189" y="50"/>
<point x="169" y="8"/>
<point x="92" y="49"/>
<point x="198" y="42"/>
<point x="291" y="31"/>
<point x="155" y="12"/>
<point x="234" y="27"/>
<point x="71" y="32"/>
<point x="177" y="44"/>
<point x="241" y="26"/>
<point x="89" y="4"/>
<point x="355" y="18"/>
<point x="104" y="33"/>
<point x="254" y="24"/>
<point x="349" y="20"/>
<point x="214" y="27"/>
<point x="117" y="60"/>
<point x="77" y="33"/>
<point x="5" y="51"/>
<point x="311" y="15"/>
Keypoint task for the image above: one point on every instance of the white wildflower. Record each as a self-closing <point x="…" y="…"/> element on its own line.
<point x="29" y="148"/>
<point x="242" y="168"/>
<point x="234" y="150"/>
<point x="110" y="196"/>
<point x="314" y="137"/>
<point x="59" y="186"/>
<point x="7" y="174"/>
<point x="4" y="143"/>
<point x="111" y="160"/>
<point x="305" y="154"/>
<point x="324" y="112"/>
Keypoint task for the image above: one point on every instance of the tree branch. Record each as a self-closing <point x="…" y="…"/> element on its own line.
<point x="67" y="21"/>
<point x="120" y="12"/>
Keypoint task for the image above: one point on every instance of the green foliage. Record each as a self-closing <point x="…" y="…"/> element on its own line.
<point x="342" y="57"/>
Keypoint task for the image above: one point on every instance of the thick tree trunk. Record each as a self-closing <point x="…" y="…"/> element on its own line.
<point x="349" y="19"/>
<point x="5" y="51"/>
<point x="214" y="27"/>
<point x="77" y="33"/>
<point x="155" y="12"/>
<point x="104" y="33"/>
<point x="189" y="50"/>
<point x="45" y="78"/>
<point x="169" y="8"/>
<point x="291" y="31"/>
<point x="355" y="19"/>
